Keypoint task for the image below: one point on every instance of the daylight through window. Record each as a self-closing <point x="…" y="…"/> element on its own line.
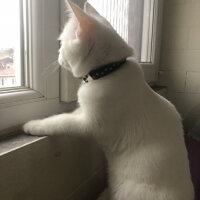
<point x="10" y="44"/>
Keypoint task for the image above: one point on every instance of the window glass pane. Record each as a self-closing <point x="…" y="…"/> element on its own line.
<point x="133" y="20"/>
<point x="10" y="50"/>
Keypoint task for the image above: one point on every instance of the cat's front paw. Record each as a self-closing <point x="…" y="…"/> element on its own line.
<point x="34" y="127"/>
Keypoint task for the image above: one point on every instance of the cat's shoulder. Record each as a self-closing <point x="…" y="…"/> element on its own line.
<point x="135" y="66"/>
<point x="133" y="62"/>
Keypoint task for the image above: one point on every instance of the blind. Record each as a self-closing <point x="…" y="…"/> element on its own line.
<point x="116" y="12"/>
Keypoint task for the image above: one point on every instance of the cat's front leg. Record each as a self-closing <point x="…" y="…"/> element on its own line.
<point x="76" y="123"/>
<point x="36" y="127"/>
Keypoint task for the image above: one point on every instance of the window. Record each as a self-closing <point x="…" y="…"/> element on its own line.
<point x="28" y="44"/>
<point x="11" y="44"/>
<point x="133" y="20"/>
<point x="31" y="94"/>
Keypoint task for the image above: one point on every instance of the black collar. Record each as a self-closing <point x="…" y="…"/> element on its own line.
<point x="103" y="70"/>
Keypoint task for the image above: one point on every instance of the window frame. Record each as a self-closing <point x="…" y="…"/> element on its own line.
<point x="151" y="68"/>
<point x="26" y="56"/>
<point x="40" y="94"/>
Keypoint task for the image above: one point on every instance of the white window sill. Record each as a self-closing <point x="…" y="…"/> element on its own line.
<point x="20" y="140"/>
<point x="13" y="143"/>
<point x="19" y="96"/>
<point x="35" y="108"/>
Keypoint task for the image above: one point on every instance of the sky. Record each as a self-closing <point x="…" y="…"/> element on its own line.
<point x="9" y="23"/>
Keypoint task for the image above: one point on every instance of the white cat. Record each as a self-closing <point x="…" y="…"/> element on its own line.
<point x="140" y="132"/>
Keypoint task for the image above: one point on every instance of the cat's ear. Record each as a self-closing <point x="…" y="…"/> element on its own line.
<point x="85" y="21"/>
<point x="88" y="8"/>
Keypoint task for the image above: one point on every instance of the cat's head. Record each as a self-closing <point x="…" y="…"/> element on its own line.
<point x="89" y="41"/>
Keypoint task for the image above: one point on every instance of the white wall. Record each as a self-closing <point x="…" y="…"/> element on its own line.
<point x="180" y="56"/>
<point x="60" y="168"/>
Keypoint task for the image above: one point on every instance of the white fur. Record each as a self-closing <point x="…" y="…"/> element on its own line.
<point x="139" y="131"/>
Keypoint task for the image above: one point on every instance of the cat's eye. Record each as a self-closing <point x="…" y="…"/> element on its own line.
<point x="11" y="44"/>
<point x="134" y="20"/>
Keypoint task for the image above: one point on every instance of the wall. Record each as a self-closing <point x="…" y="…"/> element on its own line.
<point x="180" y="56"/>
<point x="57" y="168"/>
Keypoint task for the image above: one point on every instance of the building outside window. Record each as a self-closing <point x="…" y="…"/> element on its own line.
<point x="7" y="70"/>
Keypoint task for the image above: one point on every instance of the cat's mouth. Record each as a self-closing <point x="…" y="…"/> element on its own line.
<point x="63" y="63"/>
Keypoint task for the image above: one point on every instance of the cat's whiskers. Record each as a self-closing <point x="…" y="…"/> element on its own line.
<point x="51" y="69"/>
